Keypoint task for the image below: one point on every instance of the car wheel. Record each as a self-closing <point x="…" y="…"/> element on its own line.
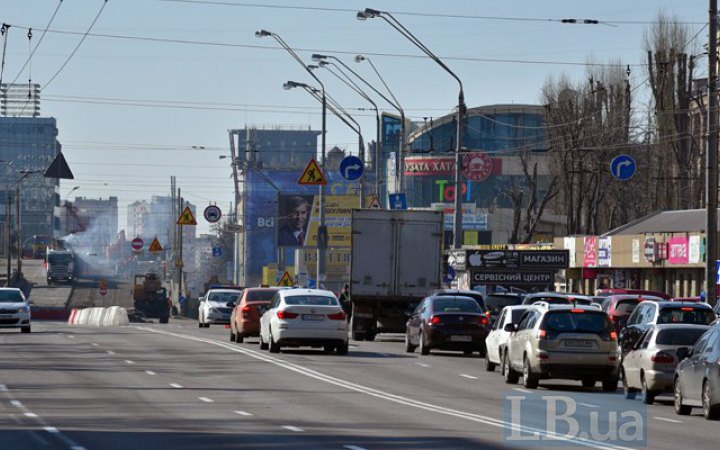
<point x="424" y="349"/>
<point x="342" y="349"/>
<point x="482" y="350"/>
<point x="489" y="366"/>
<point x="25" y="329"/>
<point x="530" y="381"/>
<point x="680" y="409"/>
<point x="232" y="335"/>
<point x="408" y="346"/>
<point x="239" y="338"/>
<point x="370" y="336"/>
<point x="263" y="344"/>
<point x="627" y="390"/>
<point x="503" y="367"/>
<point x="610" y="384"/>
<point x="710" y="411"/>
<point x="329" y="348"/>
<point x="511" y="377"/>
<point x="274" y="346"/>
<point x="588" y="382"/>
<point x="648" y="396"/>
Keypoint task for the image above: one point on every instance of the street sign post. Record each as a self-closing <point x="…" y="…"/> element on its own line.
<point x="137" y="244"/>
<point x="398" y="201"/>
<point x="212" y="213"/>
<point x="623" y="167"/>
<point x="351" y="167"/>
<point x="313" y="175"/>
<point x="217" y="251"/>
<point x="103" y="287"/>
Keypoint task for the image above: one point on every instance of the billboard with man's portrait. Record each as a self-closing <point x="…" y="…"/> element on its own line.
<point x="294" y="212"/>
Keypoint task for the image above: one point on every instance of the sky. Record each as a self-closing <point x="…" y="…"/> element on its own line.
<point x="154" y="87"/>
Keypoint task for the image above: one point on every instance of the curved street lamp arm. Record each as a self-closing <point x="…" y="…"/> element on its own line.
<point x="284" y="44"/>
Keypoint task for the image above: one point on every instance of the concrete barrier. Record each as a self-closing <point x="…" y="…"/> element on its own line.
<point x="114" y="316"/>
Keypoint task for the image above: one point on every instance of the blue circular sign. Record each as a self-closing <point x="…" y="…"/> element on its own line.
<point x="449" y="275"/>
<point x="623" y="167"/>
<point x="351" y="167"/>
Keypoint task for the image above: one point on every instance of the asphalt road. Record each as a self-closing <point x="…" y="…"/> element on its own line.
<point x="153" y="386"/>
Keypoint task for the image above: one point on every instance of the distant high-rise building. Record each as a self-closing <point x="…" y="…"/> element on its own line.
<point x="19" y="100"/>
<point x="277" y="146"/>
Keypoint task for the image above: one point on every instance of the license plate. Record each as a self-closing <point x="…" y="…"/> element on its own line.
<point x="461" y="338"/>
<point x="313" y="317"/>
<point x="575" y="343"/>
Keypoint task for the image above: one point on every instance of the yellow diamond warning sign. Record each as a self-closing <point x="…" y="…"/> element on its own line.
<point x="155" y="246"/>
<point x="286" y="280"/>
<point x="187" y="218"/>
<point x="313" y="175"/>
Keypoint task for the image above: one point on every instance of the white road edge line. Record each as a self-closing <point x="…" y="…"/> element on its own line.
<point x="129" y="362"/>
<point x="52" y="430"/>
<point x="150" y="372"/>
<point x="17" y="403"/>
<point x="464" y="375"/>
<point x="423" y="365"/>
<point x="292" y="428"/>
<point x="176" y="386"/>
<point x="243" y="413"/>
<point x="524" y="391"/>
<point x="387" y="396"/>
<point x="206" y="399"/>
<point x="95" y="344"/>
<point x="3" y="388"/>
<point x="354" y="447"/>
<point x="109" y="352"/>
<point x="663" y="419"/>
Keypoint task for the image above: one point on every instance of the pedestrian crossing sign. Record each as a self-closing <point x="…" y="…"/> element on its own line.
<point x="286" y="280"/>
<point x="313" y="175"/>
<point x="374" y="203"/>
<point x="155" y="246"/>
<point x="186" y="218"/>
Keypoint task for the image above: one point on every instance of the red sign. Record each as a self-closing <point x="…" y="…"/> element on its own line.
<point x="137" y="244"/>
<point x="477" y="166"/>
<point x="591" y="251"/>
<point x="419" y="166"/>
<point x="678" y="252"/>
<point x="103" y="291"/>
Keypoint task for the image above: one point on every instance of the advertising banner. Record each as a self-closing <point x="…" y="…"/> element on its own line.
<point x="694" y="244"/>
<point x="636" y="251"/>
<point x="678" y="252"/>
<point x="569" y="245"/>
<point x="478" y="166"/>
<point x="517" y="259"/>
<point x="514" y="278"/>
<point x="591" y="251"/>
<point x="604" y="252"/>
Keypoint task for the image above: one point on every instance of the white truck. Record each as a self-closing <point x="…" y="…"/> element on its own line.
<point x="396" y="261"/>
<point x="60" y="265"/>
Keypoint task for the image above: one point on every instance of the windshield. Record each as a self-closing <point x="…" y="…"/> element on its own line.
<point x="224" y="297"/>
<point x="11" y="296"/>
<point x="581" y="322"/>
<point x="497" y="302"/>
<point x="455" y="304"/>
<point x="261" y="295"/>
<point x="697" y="316"/>
<point x="63" y="258"/>
<point x="679" y="336"/>
<point x="311" y="300"/>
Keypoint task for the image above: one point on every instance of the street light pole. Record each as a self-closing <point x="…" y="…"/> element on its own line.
<point x="322" y="241"/>
<point x="369" y="13"/>
<point x="711" y="156"/>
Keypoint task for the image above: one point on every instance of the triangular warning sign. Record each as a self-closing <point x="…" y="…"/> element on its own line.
<point x="187" y="217"/>
<point x="313" y="175"/>
<point x="155" y="246"/>
<point x="375" y="203"/>
<point x="59" y="169"/>
<point x="286" y="280"/>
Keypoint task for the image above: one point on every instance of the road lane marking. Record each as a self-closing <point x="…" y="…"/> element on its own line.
<point x="243" y="413"/>
<point x="525" y="391"/>
<point x="387" y="396"/>
<point x="109" y="352"/>
<point x="206" y="399"/>
<point x="52" y="430"/>
<point x="292" y="428"/>
<point x="150" y="372"/>
<point x="589" y="405"/>
<point x="95" y="344"/>
<point x="667" y="420"/>
<point x="423" y="365"/>
<point x="464" y="375"/>
<point x="353" y="447"/>
<point x="16" y="403"/>
<point x="30" y="414"/>
<point x="176" y="386"/>
<point x="3" y="388"/>
<point x="129" y="362"/>
<point x="71" y="337"/>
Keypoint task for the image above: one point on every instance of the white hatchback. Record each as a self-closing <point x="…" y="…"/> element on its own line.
<point x="497" y="340"/>
<point x="14" y="309"/>
<point x="216" y="306"/>
<point x="304" y="317"/>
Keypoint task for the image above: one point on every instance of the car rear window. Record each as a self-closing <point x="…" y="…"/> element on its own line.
<point x="455" y="304"/>
<point x="311" y="300"/>
<point x="625" y="307"/>
<point x="262" y="295"/>
<point x="552" y="300"/>
<point x="224" y="297"/>
<point x="10" y="296"/>
<point x="577" y="322"/>
<point x="498" y="302"/>
<point x="697" y="316"/>
<point x="517" y="315"/>
<point x="679" y="336"/>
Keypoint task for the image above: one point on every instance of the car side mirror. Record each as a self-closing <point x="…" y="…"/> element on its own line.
<point x="683" y="353"/>
<point x="510" y="327"/>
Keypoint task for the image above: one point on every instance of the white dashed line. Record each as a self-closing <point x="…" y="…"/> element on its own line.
<point x="423" y="365"/>
<point x="71" y="337"/>
<point x="150" y="372"/>
<point x="292" y="428"/>
<point x="3" y="388"/>
<point x="206" y="399"/>
<point x="51" y="430"/>
<point x="129" y="362"/>
<point x="29" y="414"/>
<point x="464" y="375"/>
<point x="243" y="413"/>
<point x="667" y="420"/>
<point x="109" y="352"/>
<point x="95" y="344"/>
<point x="353" y="447"/>
<point x="522" y="390"/>
<point x="16" y="403"/>
<point x="176" y="386"/>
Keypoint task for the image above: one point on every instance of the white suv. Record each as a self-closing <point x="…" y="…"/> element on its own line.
<point x="304" y="317"/>
<point x="216" y="306"/>
<point x="14" y="309"/>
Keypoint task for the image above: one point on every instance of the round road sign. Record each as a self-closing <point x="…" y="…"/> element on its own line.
<point x="212" y="214"/>
<point x="103" y="291"/>
<point x="137" y="244"/>
<point x="477" y="166"/>
<point x="623" y="167"/>
<point x="351" y="167"/>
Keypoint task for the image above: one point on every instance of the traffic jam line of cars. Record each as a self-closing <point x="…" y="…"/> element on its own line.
<point x="652" y="344"/>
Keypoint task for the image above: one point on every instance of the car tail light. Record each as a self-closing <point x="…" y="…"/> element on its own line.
<point x="613" y="319"/>
<point x="662" y="358"/>
<point x="542" y="334"/>
<point x="488" y="314"/>
<point x="577" y="310"/>
<point x="612" y="358"/>
<point x="246" y="309"/>
<point x="434" y="320"/>
<point x="482" y="320"/>
<point x="686" y="308"/>
<point x="286" y="315"/>
<point x="613" y="336"/>
<point x="543" y="356"/>
<point x="337" y="316"/>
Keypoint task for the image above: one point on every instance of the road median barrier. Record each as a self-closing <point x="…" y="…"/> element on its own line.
<point x="114" y="316"/>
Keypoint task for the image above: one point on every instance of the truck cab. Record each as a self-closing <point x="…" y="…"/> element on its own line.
<point x="59" y="265"/>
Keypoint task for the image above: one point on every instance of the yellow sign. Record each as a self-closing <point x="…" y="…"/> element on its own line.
<point x="180" y="263"/>
<point x="313" y="175"/>
<point x="186" y="218"/>
<point x="374" y="203"/>
<point x="286" y="280"/>
<point x="155" y="246"/>
<point x="338" y="215"/>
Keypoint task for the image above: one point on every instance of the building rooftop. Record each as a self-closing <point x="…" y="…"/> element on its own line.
<point x="677" y="221"/>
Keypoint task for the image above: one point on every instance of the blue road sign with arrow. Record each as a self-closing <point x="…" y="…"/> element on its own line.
<point x="398" y="201"/>
<point x="351" y="167"/>
<point x="623" y="167"/>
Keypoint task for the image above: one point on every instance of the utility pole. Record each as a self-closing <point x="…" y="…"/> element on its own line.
<point x="8" y="225"/>
<point x="18" y="232"/>
<point x="712" y="160"/>
<point x="180" y="245"/>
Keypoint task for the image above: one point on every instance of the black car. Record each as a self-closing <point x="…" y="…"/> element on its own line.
<point x="446" y="322"/>
<point x="697" y="377"/>
<point x="654" y="312"/>
<point x="495" y="302"/>
<point x="478" y="297"/>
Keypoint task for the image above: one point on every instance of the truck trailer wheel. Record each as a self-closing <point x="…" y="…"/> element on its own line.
<point x="164" y="319"/>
